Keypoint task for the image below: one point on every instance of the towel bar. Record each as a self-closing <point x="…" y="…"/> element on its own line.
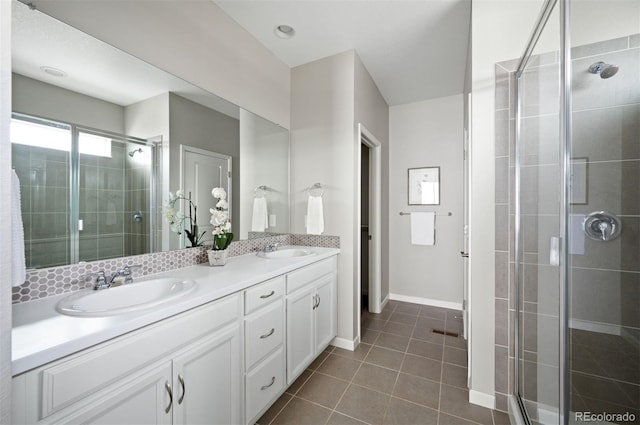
<point x="437" y="215"/>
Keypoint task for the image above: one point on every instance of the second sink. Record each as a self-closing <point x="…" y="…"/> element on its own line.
<point x="286" y="252"/>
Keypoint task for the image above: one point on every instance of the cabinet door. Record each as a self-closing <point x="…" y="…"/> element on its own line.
<point x="325" y="312"/>
<point x="141" y="400"/>
<point x="206" y="380"/>
<point x="300" y="332"/>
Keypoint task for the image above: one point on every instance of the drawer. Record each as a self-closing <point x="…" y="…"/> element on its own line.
<point x="263" y="294"/>
<point x="263" y="332"/>
<point x="299" y="278"/>
<point x="264" y="384"/>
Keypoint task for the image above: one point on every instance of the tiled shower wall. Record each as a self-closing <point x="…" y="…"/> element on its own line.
<point x="44" y="190"/>
<point x="605" y="286"/>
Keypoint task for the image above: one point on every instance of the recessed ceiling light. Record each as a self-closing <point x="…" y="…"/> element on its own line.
<point x="285" y="31"/>
<point x="53" y="71"/>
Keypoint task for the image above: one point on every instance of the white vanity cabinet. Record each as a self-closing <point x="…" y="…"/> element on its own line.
<point x="185" y="369"/>
<point x="264" y="334"/>
<point x="311" y="314"/>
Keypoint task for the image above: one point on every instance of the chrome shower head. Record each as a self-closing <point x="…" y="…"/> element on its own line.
<point x="605" y="70"/>
<point x="135" y="151"/>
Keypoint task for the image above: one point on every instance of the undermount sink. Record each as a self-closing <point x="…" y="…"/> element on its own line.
<point x="287" y="252"/>
<point x="125" y="298"/>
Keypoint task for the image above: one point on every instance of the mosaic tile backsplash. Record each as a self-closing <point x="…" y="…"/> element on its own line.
<point x="58" y="280"/>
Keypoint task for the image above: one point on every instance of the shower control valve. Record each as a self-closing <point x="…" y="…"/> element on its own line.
<point x="602" y="226"/>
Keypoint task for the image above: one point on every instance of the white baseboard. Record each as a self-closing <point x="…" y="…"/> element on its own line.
<point x="384" y="302"/>
<point x="482" y="399"/>
<point x="603" y="328"/>
<point x="345" y="343"/>
<point x="426" y="301"/>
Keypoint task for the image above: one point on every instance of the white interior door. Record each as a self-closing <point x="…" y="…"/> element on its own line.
<point x="201" y="171"/>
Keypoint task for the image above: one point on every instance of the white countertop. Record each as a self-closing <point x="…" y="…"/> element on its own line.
<point x="41" y="334"/>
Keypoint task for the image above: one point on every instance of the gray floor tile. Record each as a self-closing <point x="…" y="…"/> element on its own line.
<point x="398" y="329"/>
<point x="301" y="412"/>
<point x="395" y="342"/>
<point x="500" y="418"/>
<point x="408" y="308"/>
<point x="418" y="390"/>
<point x="340" y="419"/>
<point x="401" y="412"/>
<point x="425" y="349"/>
<point x="323" y="390"/>
<point x="364" y="404"/>
<point x="453" y="375"/>
<point x="358" y="354"/>
<point x="407" y="319"/>
<point x="455" y="356"/>
<point x="339" y="367"/>
<point x="385" y="357"/>
<point x="426" y="334"/>
<point x="445" y="419"/>
<point x="373" y="324"/>
<point x="368" y="336"/>
<point x="319" y="360"/>
<point x="376" y="378"/>
<point x="423" y="367"/>
<point x="433" y="312"/>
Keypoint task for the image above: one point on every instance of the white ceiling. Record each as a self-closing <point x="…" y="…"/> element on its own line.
<point x="413" y="49"/>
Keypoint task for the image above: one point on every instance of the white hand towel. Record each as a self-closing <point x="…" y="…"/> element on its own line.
<point x="315" y="216"/>
<point x="260" y="218"/>
<point x="423" y="228"/>
<point x="18" y="269"/>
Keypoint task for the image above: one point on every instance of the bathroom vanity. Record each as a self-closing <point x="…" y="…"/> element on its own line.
<point x="221" y="354"/>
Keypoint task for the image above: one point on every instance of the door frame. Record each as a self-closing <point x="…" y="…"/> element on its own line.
<point x="184" y="149"/>
<point x="365" y="137"/>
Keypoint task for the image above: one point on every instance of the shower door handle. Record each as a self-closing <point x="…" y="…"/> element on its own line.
<point x="464" y="254"/>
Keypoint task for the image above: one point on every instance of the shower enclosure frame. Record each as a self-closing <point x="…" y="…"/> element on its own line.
<point x="564" y="161"/>
<point x="155" y="144"/>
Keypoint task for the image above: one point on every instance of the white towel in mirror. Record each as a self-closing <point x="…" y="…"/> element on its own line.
<point x="260" y="218"/>
<point x="18" y="269"/>
<point x="315" y="215"/>
<point x="423" y="228"/>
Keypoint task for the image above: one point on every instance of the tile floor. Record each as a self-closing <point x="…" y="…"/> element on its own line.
<point x="401" y="373"/>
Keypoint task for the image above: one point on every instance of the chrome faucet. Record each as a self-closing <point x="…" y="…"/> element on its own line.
<point x="104" y="282"/>
<point x="272" y="247"/>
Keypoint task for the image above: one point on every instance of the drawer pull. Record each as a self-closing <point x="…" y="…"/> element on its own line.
<point x="264" y="387"/>
<point x="267" y="335"/>
<point x="268" y="295"/>
<point x="184" y="390"/>
<point x="170" y="392"/>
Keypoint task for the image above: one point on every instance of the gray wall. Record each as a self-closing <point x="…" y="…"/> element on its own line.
<point x="427" y="134"/>
<point x="33" y="97"/>
<point x="264" y="149"/>
<point x="330" y="96"/>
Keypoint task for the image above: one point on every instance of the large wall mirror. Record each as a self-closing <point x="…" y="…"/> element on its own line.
<point x="100" y="138"/>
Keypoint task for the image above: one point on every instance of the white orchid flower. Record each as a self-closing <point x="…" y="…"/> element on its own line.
<point x="222" y="204"/>
<point x="219" y="193"/>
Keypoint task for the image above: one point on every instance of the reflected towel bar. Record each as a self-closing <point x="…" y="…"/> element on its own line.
<point x="437" y="215"/>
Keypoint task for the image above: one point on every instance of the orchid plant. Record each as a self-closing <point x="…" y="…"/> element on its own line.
<point x="222" y="235"/>
<point x="184" y="223"/>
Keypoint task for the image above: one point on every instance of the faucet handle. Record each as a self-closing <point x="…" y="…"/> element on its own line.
<point x="126" y="272"/>
<point x="101" y="279"/>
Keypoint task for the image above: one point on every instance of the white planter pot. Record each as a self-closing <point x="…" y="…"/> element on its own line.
<point x="217" y="257"/>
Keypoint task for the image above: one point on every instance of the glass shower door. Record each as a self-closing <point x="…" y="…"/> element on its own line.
<point x="538" y="227"/>
<point x="605" y="261"/>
